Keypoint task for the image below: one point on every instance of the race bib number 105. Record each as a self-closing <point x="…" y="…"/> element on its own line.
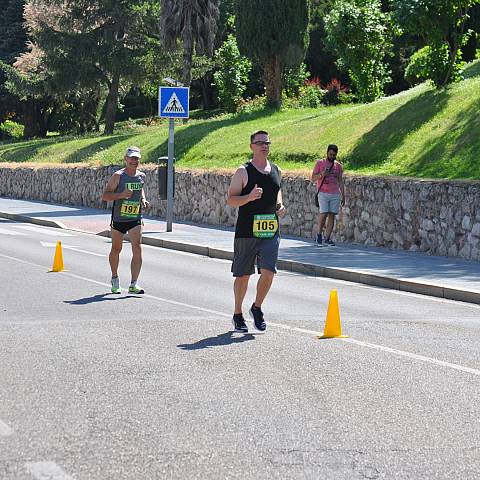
<point x="265" y="226"/>
<point x="130" y="209"/>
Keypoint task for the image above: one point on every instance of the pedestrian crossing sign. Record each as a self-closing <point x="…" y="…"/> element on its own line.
<point x="173" y="102"/>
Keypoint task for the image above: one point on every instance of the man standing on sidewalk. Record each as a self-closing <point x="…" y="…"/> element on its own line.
<point x="125" y="189"/>
<point x="328" y="174"/>
<point x="255" y="189"/>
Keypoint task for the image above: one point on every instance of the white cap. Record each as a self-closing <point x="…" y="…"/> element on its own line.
<point x="133" y="152"/>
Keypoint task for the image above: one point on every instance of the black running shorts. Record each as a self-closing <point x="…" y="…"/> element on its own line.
<point x="247" y="250"/>
<point x="124" y="227"/>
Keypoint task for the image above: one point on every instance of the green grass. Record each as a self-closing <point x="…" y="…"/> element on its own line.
<point x="421" y="133"/>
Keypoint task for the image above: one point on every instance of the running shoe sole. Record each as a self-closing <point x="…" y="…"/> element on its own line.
<point x="136" y="292"/>
<point x="235" y="329"/>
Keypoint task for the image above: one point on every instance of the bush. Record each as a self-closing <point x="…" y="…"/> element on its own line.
<point x="311" y="96"/>
<point x="294" y="79"/>
<point x="232" y="77"/>
<point x="254" y="104"/>
<point x="10" y="130"/>
<point x="432" y="63"/>
<point x="336" y="93"/>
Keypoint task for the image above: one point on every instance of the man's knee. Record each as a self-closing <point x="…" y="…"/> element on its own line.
<point x="116" y="249"/>
<point x="137" y="248"/>
<point x="268" y="274"/>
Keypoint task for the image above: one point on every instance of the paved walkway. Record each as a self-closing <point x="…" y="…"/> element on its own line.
<point x="443" y="277"/>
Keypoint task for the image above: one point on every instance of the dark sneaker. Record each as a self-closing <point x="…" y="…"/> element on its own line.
<point x="258" y="320"/>
<point x="330" y="243"/>
<point x="319" y="240"/>
<point x="239" y="324"/>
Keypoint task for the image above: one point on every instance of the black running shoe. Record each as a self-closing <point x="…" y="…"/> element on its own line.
<point x="239" y="324"/>
<point x="258" y="320"/>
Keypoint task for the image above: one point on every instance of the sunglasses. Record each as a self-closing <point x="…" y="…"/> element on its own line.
<point x="261" y="142"/>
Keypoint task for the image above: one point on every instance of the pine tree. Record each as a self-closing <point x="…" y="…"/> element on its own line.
<point x="88" y="43"/>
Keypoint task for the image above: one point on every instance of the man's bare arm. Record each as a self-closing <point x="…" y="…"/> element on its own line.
<point x="109" y="194"/>
<point x="239" y="180"/>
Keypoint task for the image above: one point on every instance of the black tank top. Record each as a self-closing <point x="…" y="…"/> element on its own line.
<point x="266" y="204"/>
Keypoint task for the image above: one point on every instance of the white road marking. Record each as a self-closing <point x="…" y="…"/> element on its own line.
<point x="5" y="231"/>
<point x="5" y="430"/>
<point x="47" y="471"/>
<point x="71" y="247"/>
<point x="57" y="232"/>
<point x="415" y="356"/>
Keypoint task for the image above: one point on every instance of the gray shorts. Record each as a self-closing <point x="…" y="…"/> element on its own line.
<point x="329" y="202"/>
<point x="247" y="250"/>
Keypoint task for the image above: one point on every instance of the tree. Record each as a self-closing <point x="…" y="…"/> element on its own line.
<point x="194" y="22"/>
<point x="358" y="31"/>
<point x="95" y="42"/>
<point x="12" y="42"/>
<point x="441" y="24"/>
<point x="275" y="35"/>
<point x="320" y="60"/>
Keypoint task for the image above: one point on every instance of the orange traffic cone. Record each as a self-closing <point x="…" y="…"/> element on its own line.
<point x="58" y="259"/>
<point x="333" y="328"/>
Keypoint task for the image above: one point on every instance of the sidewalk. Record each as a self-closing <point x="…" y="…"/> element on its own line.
<point x="443" y="277"/>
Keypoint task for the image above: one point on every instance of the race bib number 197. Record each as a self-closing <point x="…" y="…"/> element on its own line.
<point x="265" y="226"/>
<point x="130" y="209"/>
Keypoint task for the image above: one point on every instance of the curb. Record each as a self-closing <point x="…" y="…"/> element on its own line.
<point x="428" y="289"/>
<point x="37" y="221"/>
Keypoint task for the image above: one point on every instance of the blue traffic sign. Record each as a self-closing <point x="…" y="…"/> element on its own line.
<point x="173" y="102"/>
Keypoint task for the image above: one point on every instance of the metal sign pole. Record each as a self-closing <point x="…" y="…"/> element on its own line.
<point x="173" y="102"/>
<point x="171" y="146"/>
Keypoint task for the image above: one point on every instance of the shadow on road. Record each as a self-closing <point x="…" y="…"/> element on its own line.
<point x="97" y="298"/>
<point x="218" y="341"/>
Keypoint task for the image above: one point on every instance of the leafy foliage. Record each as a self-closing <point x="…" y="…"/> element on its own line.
<point x="360" y="33"/>
<point x="194" y="22"/>
<point x="432" y="64"/>
<point x="441" y="24"/>
<point x="232" y="76"/>
<point x="10" y="130"/>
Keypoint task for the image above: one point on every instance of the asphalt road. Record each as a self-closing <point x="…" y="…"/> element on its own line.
<point x="97" y="386"/>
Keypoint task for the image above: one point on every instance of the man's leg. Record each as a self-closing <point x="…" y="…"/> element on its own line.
<point x="240" y="286"/>
<point x="114" y="257"/>
<point x="321" y="222"/>
<point x="263" y="286"/>
<point x="330" y="223"/>
<point x="135" y="237"/>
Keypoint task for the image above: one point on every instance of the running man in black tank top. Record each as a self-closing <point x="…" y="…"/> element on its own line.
<point x="256" y="190"/>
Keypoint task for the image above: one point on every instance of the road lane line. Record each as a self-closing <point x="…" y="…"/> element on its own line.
<point x="6" y="231"/>
<point x="5" y="430"/>
<point x="47" y="471"/>
<point x="72" y="247"/>
<point x="282" y="326"/>
<point x="57" y="232"/>
<point x="415" y="356"/>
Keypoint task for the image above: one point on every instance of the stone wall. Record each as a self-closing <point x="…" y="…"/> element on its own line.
<point x="437" y="217"/>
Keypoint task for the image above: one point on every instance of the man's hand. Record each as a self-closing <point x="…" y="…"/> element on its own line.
<point x="145" y="204"/>
<point x="255" y="194"/>
<point x="127" y="193"/>
<point x="281" y="210"/>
